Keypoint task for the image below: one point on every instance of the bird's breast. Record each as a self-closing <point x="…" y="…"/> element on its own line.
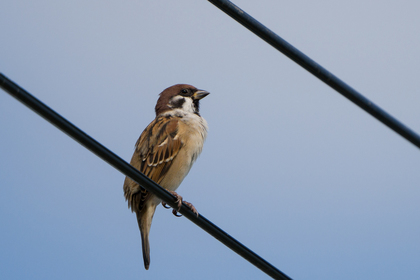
<point x="192" y="130"/>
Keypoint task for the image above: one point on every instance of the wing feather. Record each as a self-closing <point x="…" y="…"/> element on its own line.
<point x="155" y="151"/>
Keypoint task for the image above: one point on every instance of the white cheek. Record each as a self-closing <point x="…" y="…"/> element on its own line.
<point x="188" y="105"/>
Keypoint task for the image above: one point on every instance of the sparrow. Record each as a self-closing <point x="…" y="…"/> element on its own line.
<point x="165" y="152"/>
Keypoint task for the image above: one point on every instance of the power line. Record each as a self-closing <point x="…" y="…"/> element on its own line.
<point x="125" y="168"/>
<point x="317" y="70"/>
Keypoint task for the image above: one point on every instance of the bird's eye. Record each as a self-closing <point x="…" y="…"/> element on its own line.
<point x="184" y="91"/>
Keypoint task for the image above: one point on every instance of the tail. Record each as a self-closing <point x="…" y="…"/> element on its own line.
<point x="146" y="248"/>
<point x="144" y="219"/>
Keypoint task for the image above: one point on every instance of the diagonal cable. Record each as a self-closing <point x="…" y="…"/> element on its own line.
<point x="317" y="70"/>
<point x="125" y="168"/>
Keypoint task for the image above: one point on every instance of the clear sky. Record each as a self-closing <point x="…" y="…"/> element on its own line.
<point x="290" y="168"/>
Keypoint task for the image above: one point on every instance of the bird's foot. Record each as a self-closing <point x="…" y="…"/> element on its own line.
<point x="173" y="211"/>
<point x="191" y="207"/>
<point x="178" y="199"/>
<point x="179" y="202"/>
<point x="176" y="213"/>
<point x="165" y="205"/>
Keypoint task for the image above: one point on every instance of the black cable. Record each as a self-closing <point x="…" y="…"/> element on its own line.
<point x="317" y="70"/>
<point x="125" y="168"/>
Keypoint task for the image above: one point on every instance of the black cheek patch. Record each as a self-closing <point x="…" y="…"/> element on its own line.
<point x="178" y="103"/>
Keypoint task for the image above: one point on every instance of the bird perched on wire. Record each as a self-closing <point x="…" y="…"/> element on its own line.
<point x="165" y="152"/>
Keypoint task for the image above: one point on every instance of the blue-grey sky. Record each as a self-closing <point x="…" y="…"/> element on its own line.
<point x="290" y="168"/>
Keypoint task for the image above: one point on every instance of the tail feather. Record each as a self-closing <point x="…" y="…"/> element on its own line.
<point x="144" y="219"/>
<point x="146" y="249"/>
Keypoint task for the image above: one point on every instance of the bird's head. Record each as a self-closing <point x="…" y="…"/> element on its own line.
<point x="181" y="96"/>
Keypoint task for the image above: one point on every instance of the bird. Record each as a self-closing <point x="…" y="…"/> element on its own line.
<point x="165" y="152"/>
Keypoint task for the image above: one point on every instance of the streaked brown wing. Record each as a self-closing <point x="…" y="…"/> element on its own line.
<point x="155" y="150"/>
